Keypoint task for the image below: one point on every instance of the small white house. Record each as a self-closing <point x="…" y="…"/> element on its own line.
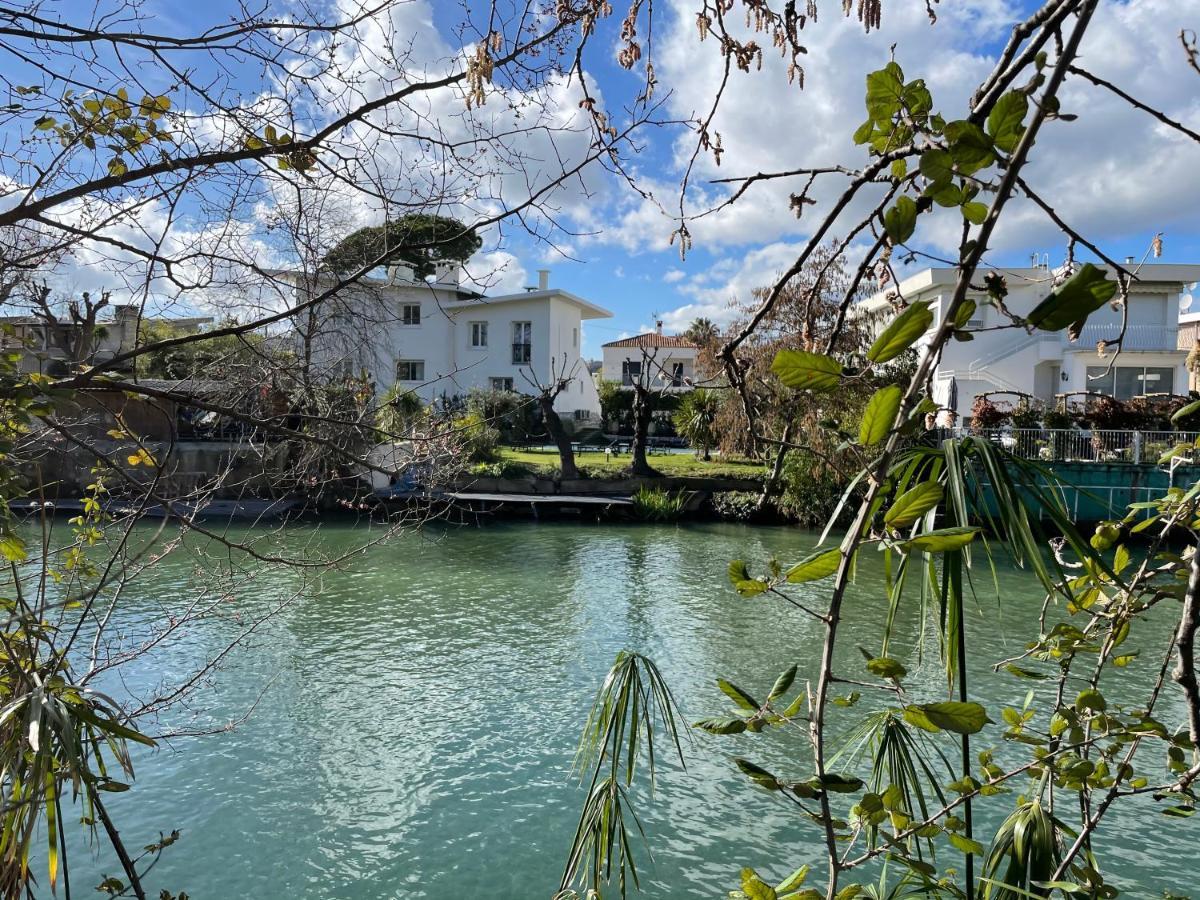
<point x="1047" y="364"/>
<point x="668" y="360"/>
<point x="440" y="339"/>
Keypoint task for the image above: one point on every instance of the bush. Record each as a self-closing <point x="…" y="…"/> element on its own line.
<point x="735" y="506"/>
<point x="514" y="416"/>
<point x="656" y="505"/>
<point x="811" y="488"/>
<point x="477" y="438"/>
<point x="986" y="415"/>
<point x="398" y="409"/>
<point x="1027" y="415"/>
<point x="502" y="468"/>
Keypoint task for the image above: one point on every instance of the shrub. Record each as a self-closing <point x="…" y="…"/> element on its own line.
<point x="656" y="505"/>
<point x="514" y="416"/>
<point x="398" y="409"/>
<point x="1027" y="414"/>
<point x="735" y="506"/>
<point x="811" y="488"/>
<point x="477" y="438"/>
<point x="986" y="415"/>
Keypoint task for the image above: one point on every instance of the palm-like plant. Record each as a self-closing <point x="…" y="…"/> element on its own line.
<point x="696" y="420"/>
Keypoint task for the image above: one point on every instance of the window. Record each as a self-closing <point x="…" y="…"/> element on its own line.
<point x="677" y="374"/>
<point x="522" y="345"/>
<point x="1126" y="382"/>
<point x="501" y="384"/>
<point x="630" y="372"/>
<point x="574" y="337"/>
<point x="479" y="334"/>
<point x="410" y="314"/>
<point x="410" y="370"/>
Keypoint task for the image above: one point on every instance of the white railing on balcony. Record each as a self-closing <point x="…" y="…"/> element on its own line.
<point x="1137" y="337"/>
<point x="1087" y="445"/>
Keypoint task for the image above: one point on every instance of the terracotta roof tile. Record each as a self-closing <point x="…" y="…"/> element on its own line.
<point x="653" y="339"/>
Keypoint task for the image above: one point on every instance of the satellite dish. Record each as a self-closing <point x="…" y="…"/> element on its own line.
<point x="1185" y="302"/>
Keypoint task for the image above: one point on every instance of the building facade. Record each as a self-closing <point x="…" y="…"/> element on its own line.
<point x="1047" y="365"/>
<point x="442" y="341"/>
<point x="668" y="361"/>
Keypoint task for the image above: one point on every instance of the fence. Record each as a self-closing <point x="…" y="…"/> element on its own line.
<point x="1087" y="445"/>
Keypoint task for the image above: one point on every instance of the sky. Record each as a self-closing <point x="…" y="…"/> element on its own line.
<point x="1114" y="173"/>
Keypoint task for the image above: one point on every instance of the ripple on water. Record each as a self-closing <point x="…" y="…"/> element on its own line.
<point x="423" y="705"/>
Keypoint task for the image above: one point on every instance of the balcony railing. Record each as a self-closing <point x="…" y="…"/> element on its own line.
<point x="1137" y="337"/>
<point x="1090" y="445"/>
<point x="522" y="354"/>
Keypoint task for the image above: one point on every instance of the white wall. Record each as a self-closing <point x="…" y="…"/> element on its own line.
<point x="1015" y="360"/>
<point x="662" y="358"/>
<point x="366" y="330"/>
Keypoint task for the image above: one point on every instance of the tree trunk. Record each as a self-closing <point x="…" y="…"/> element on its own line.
<point x="641" y="426"/>
<point x="562" y="440"/>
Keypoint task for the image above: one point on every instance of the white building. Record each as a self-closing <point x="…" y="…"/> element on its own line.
<point x="1047" y="364"/>
<point x="440" y="339"/>
<point x="669" y="360"/>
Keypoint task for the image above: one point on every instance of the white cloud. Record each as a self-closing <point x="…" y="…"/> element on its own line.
<point x="1113" y="171"/>
<point x="673" y="275"/>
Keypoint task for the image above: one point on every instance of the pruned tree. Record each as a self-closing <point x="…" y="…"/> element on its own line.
<point x="544" y="394"/>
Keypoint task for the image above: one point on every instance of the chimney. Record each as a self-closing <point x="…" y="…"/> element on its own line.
<point x="448" y="274"/>
<point x="543" y="279"/>
<point x="658" y="327"/>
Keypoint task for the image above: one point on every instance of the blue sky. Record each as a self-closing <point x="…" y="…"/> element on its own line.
<point x="1114" y="173"/>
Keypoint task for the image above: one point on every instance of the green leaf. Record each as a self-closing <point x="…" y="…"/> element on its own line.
<point x="879" y="415"/>
<point x="901" y="333"/>
<point x="938" y="166"/>
<point x="820" y="565"/>
<point x="901" y="220"/>
<point x="913" y="504"/>
<point x="793" y="881"/>
<point x="12" y="548"/>
<point x="886" y="667"/>
<point x="723" y="725"/>
<point x="965" y="311"/>
<point x="737" y="695"/>
<point x="942" y="539"/>
<point x="864" y="132"/>
<point x="740" y="578"/>
<point x="758" y="774"/>
<point x="802" y="370"/>
<point x="1185" y="411"/>
<point x="838" y="784"/>
<point x="755" y="888"/>
<point x="1084" y="293"/>
<point x="970" y="148"/>
<point x="965" y="844"/>
<point x="782" y="683"/>
<point x="950" y="715"/>
<point x="1005" y="121"/>
<point x="1091" y="699"/>
<point x="885" y="93"/>
<point x="975" y="212"/>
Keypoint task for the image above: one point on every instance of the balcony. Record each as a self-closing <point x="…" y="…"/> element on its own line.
<point x="522" y="354"/>
<point x="1161" y="338"/>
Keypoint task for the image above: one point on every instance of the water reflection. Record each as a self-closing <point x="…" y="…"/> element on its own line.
<point x="423" y="704"/>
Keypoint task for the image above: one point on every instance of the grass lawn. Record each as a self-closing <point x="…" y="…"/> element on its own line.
<point x="678" y="464"/>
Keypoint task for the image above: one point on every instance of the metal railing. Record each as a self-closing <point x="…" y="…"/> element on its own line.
<point x="1137" y="337"/>
<point x="1086" y="445"/>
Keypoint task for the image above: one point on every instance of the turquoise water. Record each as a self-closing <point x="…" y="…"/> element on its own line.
<point x="415" y="715"/>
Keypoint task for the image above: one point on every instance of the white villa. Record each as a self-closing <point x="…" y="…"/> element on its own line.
<point x="1047" y="364"/>
<point x="441" y="339"/>
<point x="669" y="359"/>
